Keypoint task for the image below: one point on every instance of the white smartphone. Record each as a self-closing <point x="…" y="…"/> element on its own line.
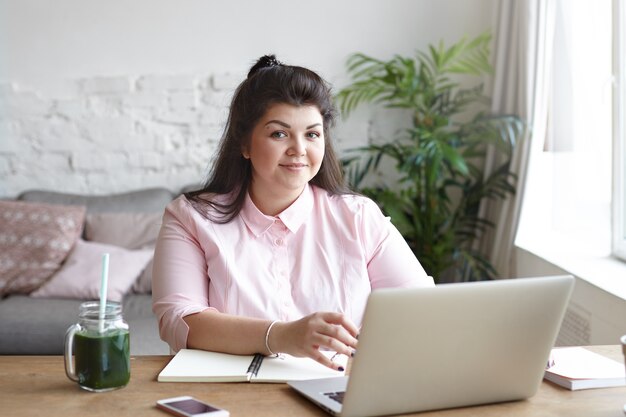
<point x="190" y="407"/>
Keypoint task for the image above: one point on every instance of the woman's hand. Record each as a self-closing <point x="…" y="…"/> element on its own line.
<point x="305" y="337"/>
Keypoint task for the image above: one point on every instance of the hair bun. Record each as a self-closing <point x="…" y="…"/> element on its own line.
<point x="266" y="61"/>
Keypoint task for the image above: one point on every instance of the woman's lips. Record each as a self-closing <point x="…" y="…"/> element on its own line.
<point x="293" y="166"/>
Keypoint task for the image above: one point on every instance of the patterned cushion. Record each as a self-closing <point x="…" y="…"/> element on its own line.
<point x="34" y="240"/>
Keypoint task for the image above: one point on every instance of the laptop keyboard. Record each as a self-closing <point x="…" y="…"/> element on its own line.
<point x="337" y="396"/>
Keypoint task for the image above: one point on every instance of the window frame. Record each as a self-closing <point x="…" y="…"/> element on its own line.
<point x="619" y="131"/>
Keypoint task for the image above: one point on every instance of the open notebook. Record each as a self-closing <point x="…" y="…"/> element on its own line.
<point x="191" y="365"/>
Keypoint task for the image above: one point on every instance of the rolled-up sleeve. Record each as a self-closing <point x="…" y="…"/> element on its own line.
<point x="391" y="262"/>
<point x="179" y="277"/>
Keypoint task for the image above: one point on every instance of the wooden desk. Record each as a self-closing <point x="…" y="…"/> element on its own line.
<point x="37" y="385"/>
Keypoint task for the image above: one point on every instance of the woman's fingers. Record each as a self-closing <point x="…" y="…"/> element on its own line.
<point x="334" y="332"/>
<point x="305" y="337"/>
<point x="336" y="339"/>
<point x="320" y="357"/>
<point x="338" y="334"/>
<point x="343" y="321"/>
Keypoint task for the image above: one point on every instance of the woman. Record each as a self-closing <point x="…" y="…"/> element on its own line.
<point x="275" y="254"/>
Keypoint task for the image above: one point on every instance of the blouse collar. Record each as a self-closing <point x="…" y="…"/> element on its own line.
<point x="293" y="216"/>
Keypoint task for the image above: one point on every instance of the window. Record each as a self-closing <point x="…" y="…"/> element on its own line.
<point x="570" y="189"/>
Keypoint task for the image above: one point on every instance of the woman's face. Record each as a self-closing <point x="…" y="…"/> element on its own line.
<point x="286" y="151"/>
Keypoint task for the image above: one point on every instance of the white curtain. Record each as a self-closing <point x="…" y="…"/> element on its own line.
<point x="523" y="55"/>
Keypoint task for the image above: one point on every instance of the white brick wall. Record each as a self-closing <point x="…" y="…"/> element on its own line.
<point x="106" y="85"/>
<point x="111" y="134"/>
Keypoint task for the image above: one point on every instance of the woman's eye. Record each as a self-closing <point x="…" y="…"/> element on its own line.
<point x="313" y="135"/>
<point x="279" y="135"/>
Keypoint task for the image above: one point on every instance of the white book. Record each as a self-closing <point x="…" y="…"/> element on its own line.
<point x="577" y="368"/>
<point x="192" y="365"/>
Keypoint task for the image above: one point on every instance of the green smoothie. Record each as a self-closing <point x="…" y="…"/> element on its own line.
<point x="102" y="361"/>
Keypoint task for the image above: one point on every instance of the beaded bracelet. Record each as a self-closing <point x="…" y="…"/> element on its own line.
<point x="267" y="337"/>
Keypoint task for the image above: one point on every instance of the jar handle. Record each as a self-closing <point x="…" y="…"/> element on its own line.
<point x="69" y="351"/>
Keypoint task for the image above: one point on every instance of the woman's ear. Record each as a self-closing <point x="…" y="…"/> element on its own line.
<point x="245" y="153"/>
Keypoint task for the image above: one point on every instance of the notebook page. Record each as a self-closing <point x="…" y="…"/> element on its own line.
<point x="191" y="365"/>
<point x="289" y="368"/>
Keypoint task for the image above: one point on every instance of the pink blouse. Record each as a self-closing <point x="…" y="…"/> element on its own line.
<point x="323" y="253"/>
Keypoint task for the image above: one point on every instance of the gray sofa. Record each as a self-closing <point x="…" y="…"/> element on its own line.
<point x="36" y="326"/>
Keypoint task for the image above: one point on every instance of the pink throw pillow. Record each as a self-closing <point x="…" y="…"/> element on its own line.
<point x="80" y="275"/>
<point x="130" y="231"/>
<point x="143" y="285"/>
<point x="35" y="239"/>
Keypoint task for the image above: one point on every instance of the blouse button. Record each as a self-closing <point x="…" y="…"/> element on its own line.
<point x="279" y="242"/>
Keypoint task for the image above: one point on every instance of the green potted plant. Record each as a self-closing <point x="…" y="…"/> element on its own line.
<point x="439" y="160"/>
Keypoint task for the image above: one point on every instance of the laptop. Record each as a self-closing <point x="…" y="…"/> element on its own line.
<point x="448" y="346"/>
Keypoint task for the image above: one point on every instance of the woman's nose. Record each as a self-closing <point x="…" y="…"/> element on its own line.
<point x="298" y="147"/>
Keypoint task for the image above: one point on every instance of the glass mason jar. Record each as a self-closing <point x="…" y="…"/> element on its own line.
<point x="101" y="348"/>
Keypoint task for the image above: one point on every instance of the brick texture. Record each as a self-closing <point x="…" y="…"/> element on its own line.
<point x="111" y="134"/>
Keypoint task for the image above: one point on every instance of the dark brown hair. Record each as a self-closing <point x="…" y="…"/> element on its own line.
<point x="269" y="82"/>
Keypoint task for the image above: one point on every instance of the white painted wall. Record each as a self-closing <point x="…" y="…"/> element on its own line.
<point x="109" y="96"/>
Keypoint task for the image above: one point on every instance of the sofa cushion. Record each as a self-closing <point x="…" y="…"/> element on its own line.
<point x="148" y="200"/>
<point x="81" y="274"/>
<point x="128" y="230"/>
<point x="35" y="239"/>
<point x="33" y="326"/>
